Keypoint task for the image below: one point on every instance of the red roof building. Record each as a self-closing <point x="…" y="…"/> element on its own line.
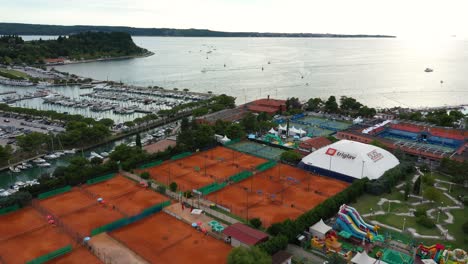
<point x="241" y="234"/>
<point x="269" y="106"/>
<point x="55" y="61"/>
<point x="311" y="145"/>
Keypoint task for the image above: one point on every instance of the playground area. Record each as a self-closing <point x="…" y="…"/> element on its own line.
<point x="276" y="194"/>
<point x="162" y="238"/>
<point x="33" y="243"/>
<point x="203" y="168"/>
<point x="257" y="149"/>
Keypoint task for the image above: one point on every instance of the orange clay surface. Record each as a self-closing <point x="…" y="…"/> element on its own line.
<point x="203" y="168"/>
<point x="84" y="220"/>
<point x="77" y="256"/>
<point x="20" y="221"/>
<point x="31" y="245"/>
<point x="67" y="202"/>
<point x="134" y="202"/>
<point x="162" y="238"/>
<point x="277" y="194"/>
<point x="113" y="188"/>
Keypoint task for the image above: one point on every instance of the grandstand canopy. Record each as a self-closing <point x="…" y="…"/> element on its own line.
<point x="319" y="229"/>
<point x="352" y="159"/>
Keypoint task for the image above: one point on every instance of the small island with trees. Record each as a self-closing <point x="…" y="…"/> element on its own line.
<point x="73" y="48"/>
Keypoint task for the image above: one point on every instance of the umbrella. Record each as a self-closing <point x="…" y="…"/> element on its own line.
<point x="100" y="199"/>
<point x="51" y="221"/>
<point x="199" y="223"/>
<point x="86" y="239"/>
<point x="49" y="217"/>
<point x="194" y="224"/>
<point x="203" y="230"/>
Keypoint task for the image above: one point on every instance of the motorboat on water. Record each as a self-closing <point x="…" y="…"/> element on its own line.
<point x="39" y="160"/>
<point x="428" y="70"/>
<point x="26" y="165"/>
<point x="70" y="151"/>
<point x="44" y="164"/>
<point x="13" y="169"/>
<point x="51" y="156"/>
<point x="104" y="154"/>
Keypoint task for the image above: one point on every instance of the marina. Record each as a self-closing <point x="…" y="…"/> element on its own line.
<point x="119" y="103"/>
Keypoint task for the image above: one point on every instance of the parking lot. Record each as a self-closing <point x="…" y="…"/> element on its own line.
<point x="12" y="126"/>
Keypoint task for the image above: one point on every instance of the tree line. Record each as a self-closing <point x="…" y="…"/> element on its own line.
<point x="85" y="45"/>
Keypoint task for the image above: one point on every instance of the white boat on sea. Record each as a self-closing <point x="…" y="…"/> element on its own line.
<point x="70" y="151"/>
<point x="39" y="160"/>
<point x="51" y="156"/>
<point x="44" y="164"/>
<point x="13" y="169"/>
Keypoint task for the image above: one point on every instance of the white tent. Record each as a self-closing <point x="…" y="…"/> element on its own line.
<point x="428" y="261"/>
<point x="352" y="159"/>
<point x="319" y="229"/>
<point x="363" y="258"/>
<point x="281" y="128"/>
<point x="225" y="140"/>
<point x="272" y="131"/>
<point x="293" y="131"/>
<point x="358" y="120"/>
<point x="302" y="132"/>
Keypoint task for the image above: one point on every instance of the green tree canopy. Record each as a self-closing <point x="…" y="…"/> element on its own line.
<point x="314" y="104"/>
<point x="331" y="106"/>
<point x="243" y="255"/>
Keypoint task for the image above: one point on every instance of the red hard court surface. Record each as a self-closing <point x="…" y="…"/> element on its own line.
<point x="277" y="194"/>
<point x="203" y="168"/>
<point x="77" y="256"/>
<point x="31" y="245"/>
<point x="65" y="203"/>
<point x="113" y="187"/>
<point x="134" y="202"/>
<point x="20" y="221"/>
<point x="88" y="218"/>
<point x="162" y="238"/>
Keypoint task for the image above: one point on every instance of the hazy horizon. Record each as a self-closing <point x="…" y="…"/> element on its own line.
<point x="417" y="18"/>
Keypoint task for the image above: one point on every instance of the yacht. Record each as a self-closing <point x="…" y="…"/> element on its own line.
<point x="50" y="156"/>
<point x="428" y="70"/>
<point x="104" y="154"/>
<point x="39" y="160"/>
<point x="44" y="164"/>
<point x="27" y="165"/>
<point x="13" y="169"/>
<point x="70" y="151"/>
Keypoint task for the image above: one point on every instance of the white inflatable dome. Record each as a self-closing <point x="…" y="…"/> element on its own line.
<point x="353" y="159"/>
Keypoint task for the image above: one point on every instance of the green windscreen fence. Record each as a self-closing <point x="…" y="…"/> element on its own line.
<point x="181" y="155"/>
<point x="128" y="220"/>
<point x="150" y="164"/>
<point x="54" y="192"/>
<point x="233" y="141"/>
<point x="265" y="166"/>
<point x="212" y="188"/>
<point x="9" y="209"/>
<point x="240" y="176"/>
<point x="100" y="178"/>
<point x="52" y="255"/>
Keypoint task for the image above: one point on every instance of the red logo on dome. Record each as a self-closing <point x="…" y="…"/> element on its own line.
<point x="331" y="151"/>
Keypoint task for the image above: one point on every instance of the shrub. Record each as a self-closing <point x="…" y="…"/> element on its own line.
<point x="173" y="186"/>
<point x="145" y="175"/>
<point x="428" y="179"/>
<point x="291" y="156"/>
<point x="255" y="222"/>
<point x="425" y="221"/>
<point x="188" y="194"/>
<point x="274" y="244"/>
<point x="161" y="189"/>
<point x="420" y="211"/>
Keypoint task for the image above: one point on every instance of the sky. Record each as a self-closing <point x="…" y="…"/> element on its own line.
<point x="404" y="18"/>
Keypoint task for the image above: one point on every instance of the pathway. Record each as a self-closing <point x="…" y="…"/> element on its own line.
<point x="109" y="250"/>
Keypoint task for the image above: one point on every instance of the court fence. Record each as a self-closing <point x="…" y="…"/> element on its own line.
<point x="150" y="164"/>
<point x="181" y="155"/>
<point x="129" y="220"/>
<point x="213" y="187"/>
<point x="240" y="176"/>
<point x="100" y="178"/>
<point x="265" y="166"/>
<point x="9" y="209"/>
<point x="54" y="192"/>
<point x="52" y="255"/>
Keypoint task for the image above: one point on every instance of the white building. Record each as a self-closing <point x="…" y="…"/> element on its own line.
<point x="348" y="160"/>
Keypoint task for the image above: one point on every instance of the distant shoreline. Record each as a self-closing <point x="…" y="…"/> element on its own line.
<point x="55" y="30"/>
<point x="148" y="54"/>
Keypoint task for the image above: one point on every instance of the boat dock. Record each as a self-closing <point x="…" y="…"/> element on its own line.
<point x="7" y="92"/>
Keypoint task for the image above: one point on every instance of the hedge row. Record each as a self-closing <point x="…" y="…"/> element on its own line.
<point x="390" y="178"/>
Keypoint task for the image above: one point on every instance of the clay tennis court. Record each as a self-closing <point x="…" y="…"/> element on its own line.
<point x="277" y="194"/>
<point x="33" y="244"/>
<point x="162" y="238"/>
<point x="67" y="202"/>
<point x="88" y="218"/>
<point x="203" y="168"/>
<point x="134" y="202"/>
<point x="20" y="221"/>
<point x="113" y="187"/>
<point x="77" y="256"/>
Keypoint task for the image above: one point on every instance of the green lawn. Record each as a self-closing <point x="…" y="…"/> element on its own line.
<point x="455" y="229"/>
<point x="397" y="221"/>
<point x="16" y="73"/>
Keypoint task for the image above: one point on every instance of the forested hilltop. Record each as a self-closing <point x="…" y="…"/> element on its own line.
<point x="82" y="46"/>
<point x="34" y="29"/>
